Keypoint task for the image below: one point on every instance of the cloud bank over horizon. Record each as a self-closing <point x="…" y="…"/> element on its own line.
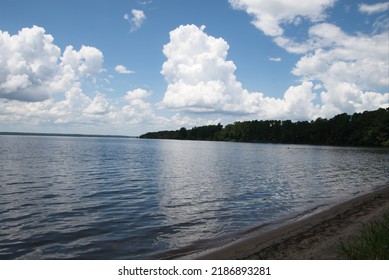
<point x="350" y="70"/>
<point x="201" y="79"/>
<point x="336" y="71"/>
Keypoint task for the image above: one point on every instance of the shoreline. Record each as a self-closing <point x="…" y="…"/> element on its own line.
<point x="315" y="237"/>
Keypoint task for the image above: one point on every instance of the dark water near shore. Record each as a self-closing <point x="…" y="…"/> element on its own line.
<point x="112" y="198"/>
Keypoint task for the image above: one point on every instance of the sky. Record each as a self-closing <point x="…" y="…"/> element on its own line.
<point x="131" y="66"/>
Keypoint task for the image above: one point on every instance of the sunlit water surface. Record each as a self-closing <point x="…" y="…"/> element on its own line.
<point x="112" y="198"/>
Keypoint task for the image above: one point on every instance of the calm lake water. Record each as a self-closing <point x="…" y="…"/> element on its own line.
<point x="113" y="198"/>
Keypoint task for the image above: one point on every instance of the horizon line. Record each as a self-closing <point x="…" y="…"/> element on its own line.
<point x="65" y="134"/>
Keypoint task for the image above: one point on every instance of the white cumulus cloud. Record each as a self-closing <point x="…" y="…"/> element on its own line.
<point x="338" y="72"/>
<point x="269" y="16"/>
<point x="374" y="8"/>
<point x="32" y="67"/>
<point x="352" y="70"/>
<point x="29" y="65"/>
<point x="138" y="111"/>
<point x="121" y="69"/>
<point x="138" y="93"/>
<point x="201" y="79"/>
<point x="99" y="106"/>
<point x="136" y="19"/>
<point x="86" y="62"/>
<point x="199" y="76"/>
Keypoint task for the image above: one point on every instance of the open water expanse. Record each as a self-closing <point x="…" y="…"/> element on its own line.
<point x="115" y="198"/>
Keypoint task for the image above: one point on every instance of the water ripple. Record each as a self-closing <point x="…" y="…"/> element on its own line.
<point x="97" y="198"/>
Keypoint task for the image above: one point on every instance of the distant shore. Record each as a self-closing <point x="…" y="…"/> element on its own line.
<point x="64" y="134"/>
<point x="316" y="237"/>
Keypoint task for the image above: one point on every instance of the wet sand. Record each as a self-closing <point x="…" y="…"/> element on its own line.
<point x="316" y="237"/>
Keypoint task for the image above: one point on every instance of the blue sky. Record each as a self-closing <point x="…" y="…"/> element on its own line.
<point x="128" y="67"/>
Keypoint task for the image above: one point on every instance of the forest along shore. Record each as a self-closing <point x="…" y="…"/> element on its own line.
<point x="370" y="128"/>
<point x="316" y="237"/>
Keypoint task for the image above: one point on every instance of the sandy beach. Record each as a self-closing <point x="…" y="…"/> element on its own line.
<point x="316" y="237"/>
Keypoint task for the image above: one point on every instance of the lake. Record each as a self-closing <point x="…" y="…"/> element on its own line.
<point x="118" y="198"/>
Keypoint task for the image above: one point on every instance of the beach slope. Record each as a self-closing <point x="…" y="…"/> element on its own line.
<point x="316" y="237"/>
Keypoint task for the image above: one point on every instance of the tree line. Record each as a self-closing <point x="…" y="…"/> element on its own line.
<point x="370" y="128"/>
